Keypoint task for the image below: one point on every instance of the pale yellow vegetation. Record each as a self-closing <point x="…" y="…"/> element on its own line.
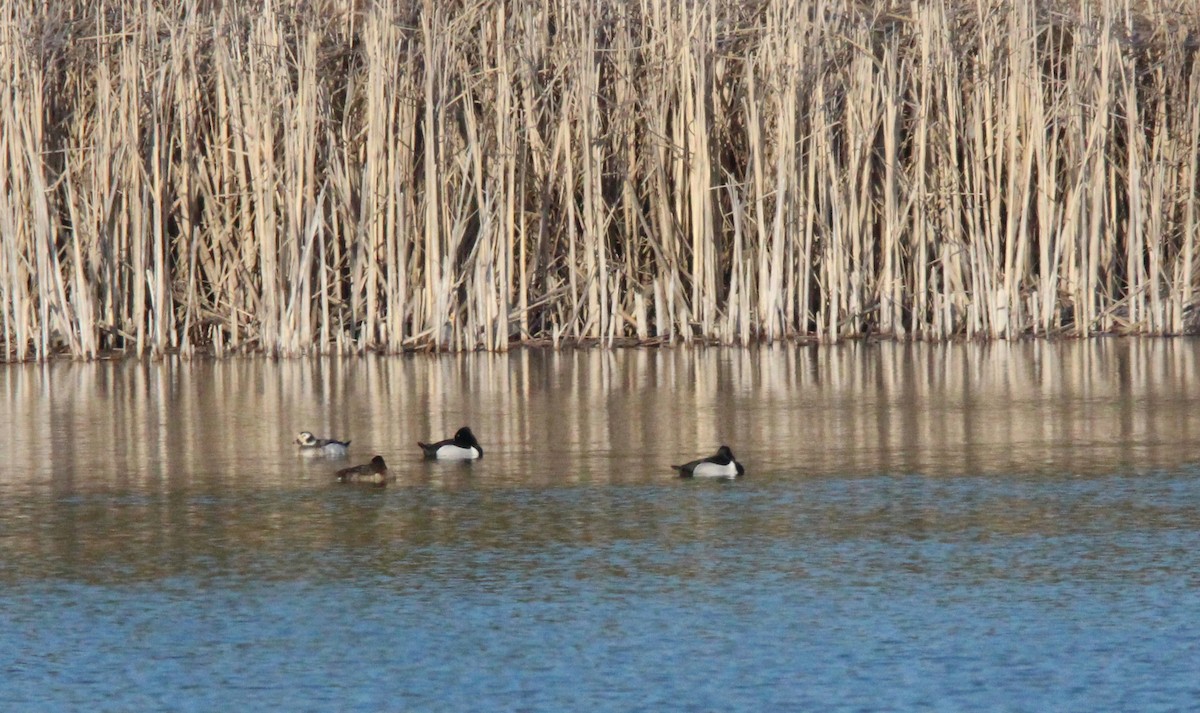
<point x="351" y="175"/>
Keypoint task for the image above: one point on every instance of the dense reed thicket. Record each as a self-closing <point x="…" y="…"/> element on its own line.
<point x="348" y="175"/>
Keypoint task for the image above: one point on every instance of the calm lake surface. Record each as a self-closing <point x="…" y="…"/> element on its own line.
<point x="966" y="527"/>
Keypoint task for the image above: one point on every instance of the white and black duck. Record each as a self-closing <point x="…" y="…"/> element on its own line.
<point x="310" y="445"/>
<point x="462" y="447"/>
<point x="721" y="465"/>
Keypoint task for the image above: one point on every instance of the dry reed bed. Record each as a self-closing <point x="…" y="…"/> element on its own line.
<point x="340" y="175"/>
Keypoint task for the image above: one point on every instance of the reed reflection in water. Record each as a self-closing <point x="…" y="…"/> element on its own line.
<point x="152" y="469"/>
<point x="549" y="418"/>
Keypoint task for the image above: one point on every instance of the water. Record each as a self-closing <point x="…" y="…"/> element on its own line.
<point x="963" y="527"/>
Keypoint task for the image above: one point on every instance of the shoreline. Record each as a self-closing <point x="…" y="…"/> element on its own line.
<point x="585" y="344"/>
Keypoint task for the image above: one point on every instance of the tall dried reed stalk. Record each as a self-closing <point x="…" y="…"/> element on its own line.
<point x="340" y="175"/>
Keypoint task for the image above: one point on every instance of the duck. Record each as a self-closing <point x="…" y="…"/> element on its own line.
<point x="462" y="447"/>
<point x="310" y="445"/>
<point x="721" y="465"/>
<point x="373" y="473"/>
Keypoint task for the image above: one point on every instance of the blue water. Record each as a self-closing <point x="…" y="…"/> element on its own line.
<point x="921" y="528"/>
<point x="883" y="593"/>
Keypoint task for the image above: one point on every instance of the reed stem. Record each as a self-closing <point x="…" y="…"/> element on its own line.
<point x="344" y="176"/>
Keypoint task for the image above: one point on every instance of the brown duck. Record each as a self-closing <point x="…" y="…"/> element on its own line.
<point x="373" y="473"/>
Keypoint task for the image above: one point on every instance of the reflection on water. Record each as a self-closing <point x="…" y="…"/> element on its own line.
<point x="553" y="418"/>
<point x="913" y="517"/>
